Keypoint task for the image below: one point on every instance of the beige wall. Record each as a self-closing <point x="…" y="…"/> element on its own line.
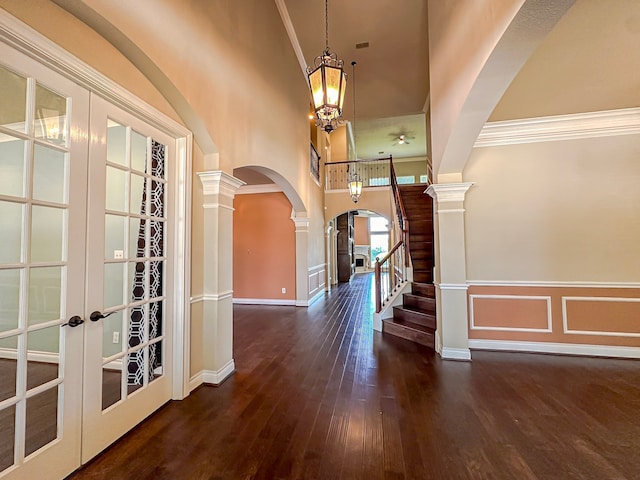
<point x="413" y="167"/>
<point x="556" y="211"/>
<point x="264" y="250"/>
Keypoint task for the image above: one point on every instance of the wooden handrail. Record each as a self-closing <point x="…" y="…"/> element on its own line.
<point x="358" y="161"/>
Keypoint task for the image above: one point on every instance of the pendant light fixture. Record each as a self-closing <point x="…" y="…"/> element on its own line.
<point x="328" y="83"/>
<point x="354" y="181"/>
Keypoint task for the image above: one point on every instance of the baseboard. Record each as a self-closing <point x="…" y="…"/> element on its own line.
<point x="463" y="354"/>
<point x="212" y="377"/>
<point x="307" y="303"/>
<point x="558" y="348"/>
<point x="32" y="356"/>
<point x="264" y="301"/>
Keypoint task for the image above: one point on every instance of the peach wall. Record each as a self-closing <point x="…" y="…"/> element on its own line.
<point x="361" y="227"/>
<point x="264" y="248"/>
<point x="555" y="314"/>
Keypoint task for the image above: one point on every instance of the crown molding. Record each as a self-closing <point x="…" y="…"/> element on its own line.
<point x="293" y="37"/>
<point x="219" y="183"/>
<point x="605" y="123"/>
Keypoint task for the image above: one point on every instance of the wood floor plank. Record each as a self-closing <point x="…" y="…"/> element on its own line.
<point x="318" y="394"/>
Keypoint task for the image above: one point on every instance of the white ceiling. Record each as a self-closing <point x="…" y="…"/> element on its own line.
<point x="391" y="77"/>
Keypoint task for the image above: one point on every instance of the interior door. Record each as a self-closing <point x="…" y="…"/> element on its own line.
<point x="128" y="352"/>
<point x="43" y="187"/>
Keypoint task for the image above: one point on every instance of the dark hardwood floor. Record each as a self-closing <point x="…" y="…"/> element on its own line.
<point x="318" y="395"/>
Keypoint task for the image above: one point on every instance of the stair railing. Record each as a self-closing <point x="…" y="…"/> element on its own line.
<point x="391" y="270"/>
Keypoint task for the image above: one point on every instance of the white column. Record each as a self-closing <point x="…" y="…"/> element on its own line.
<point x="330" y="260"/>
<point x="302" y="260"/>
<point x="218" y="190"/>
<point x="452" y="336"/>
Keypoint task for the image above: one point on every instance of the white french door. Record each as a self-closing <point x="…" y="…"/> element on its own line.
<point x="86" y="209"/>
<point x="128" y="348"/>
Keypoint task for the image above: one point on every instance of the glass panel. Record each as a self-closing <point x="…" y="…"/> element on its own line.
<point x="378" y="224"/>
<point x="112" y="331"/>
<point x="379" y="246"/>
<point x="42" y="420"/>
<point x="157" y="159"/>
<point x="135" y="371"/>
<point x="137" y="237"/>
<point x="47" y="227"/>
<point x="111" y="383"/>
<point x="42" y="356"/>
<point x="11" y="164"/>
<point x="157" y="199"/>
<point x="137" y="325"/>
<point x="114" y="234"/>
<point x="51" y="116"/>
<point x="116" y="183"/>
<point x="137" y="281"/>
<point x="138" y="152"/>
<point x="11" y="218"/>
<point x="49" y="177"/>
<point x="13" y="98"/>
<point x="8" y="368"/>
<point x="138" y="184"/>
<point x="116" y="143"/>
<point x="405" y="179"/>
<point x="8" y="429"/>
<point x="9" y="299"/>
<point x="155" y="320"/>
<point x="156" y="239"/>
<point x="156" y="278"/>
<point x="114" y="284"/>
<point x="44" y="294"/>
<point x="156" y="367"/>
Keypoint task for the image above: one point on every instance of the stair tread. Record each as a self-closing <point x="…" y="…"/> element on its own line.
<point x="409" y="325"/>
<point x="414" y="310"/>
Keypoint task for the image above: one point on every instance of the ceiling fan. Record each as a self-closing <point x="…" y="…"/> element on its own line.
<point x="402" y="139"/>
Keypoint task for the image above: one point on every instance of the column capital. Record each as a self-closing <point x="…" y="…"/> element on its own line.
<point x="448" y="192"/>
<point x="301" y="223"/>
<point x="217" y="182"/>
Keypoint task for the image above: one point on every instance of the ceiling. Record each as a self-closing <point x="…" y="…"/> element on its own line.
<point x="391" y="76"/>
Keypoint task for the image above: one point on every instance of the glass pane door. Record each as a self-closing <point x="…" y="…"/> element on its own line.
<point x="128" y="346"/>
<point x="42" y="223"/>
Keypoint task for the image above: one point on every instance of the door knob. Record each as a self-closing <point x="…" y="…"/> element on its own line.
<point x="95" y="316"/>
<point x="74" y="321"/>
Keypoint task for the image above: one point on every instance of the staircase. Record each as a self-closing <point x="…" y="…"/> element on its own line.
<point x="415" y="320"/>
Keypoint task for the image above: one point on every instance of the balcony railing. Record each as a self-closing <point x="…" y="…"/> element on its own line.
<point x="373" y="173"/>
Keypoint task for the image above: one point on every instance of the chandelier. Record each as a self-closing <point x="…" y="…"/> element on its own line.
<point x="327" y="82"/>
<point x="354" y="182"/>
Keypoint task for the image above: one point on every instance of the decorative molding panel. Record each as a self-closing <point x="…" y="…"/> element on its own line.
<point x="546" y="299"/>
<point x="606" y="333"/>
<point x="559" y="348"/>
<point x="560" y="127"/>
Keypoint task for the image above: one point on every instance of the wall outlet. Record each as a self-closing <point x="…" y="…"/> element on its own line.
<point x="284" y="290"/>
<point x="116" y="337"/>
<point x="117" y="254"/>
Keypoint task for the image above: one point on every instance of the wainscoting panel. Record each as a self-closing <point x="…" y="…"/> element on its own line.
<point x="554" y="314"/>
<point x="317" y="279"/>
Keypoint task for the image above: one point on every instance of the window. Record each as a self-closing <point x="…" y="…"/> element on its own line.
<point x="405" y="179"/>
<point x="379" y="237"/>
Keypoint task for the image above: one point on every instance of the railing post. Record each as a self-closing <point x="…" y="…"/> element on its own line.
<point x="378" y="287"/>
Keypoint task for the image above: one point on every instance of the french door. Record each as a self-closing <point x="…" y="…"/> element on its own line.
<point x="85" y="309"/>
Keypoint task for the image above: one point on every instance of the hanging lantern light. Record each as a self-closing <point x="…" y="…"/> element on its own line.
<point x="355" y="187"/>
<point x="328" y="83"/>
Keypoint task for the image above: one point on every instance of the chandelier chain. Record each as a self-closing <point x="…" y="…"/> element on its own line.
<point x="326" y="24"/>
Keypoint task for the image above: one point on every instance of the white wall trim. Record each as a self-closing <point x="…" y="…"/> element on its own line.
<point x="560" y="127"/>
<point x="535" y="283"/>
<point x="217" y="182"/>
<point x="448" y="192"/>
<point x="450" y="210"/>
<point x="218" y="205"/>
<point x="212" y="377"/>
<point x="32" y="355"/>
<point x="451" y="286"/>
<point x="315" y="298"/>
<point x="448" y="353"/>
<point x="291" y="32"/>
<point x="211" y="297"/>
<point x="608" y="333"/>
<point x="259" y="189"/>
<point x="547" y="299"/>
<point x="264" y="301"/>
<point x="320" y="266"/>
<point x="557" y="348"/>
